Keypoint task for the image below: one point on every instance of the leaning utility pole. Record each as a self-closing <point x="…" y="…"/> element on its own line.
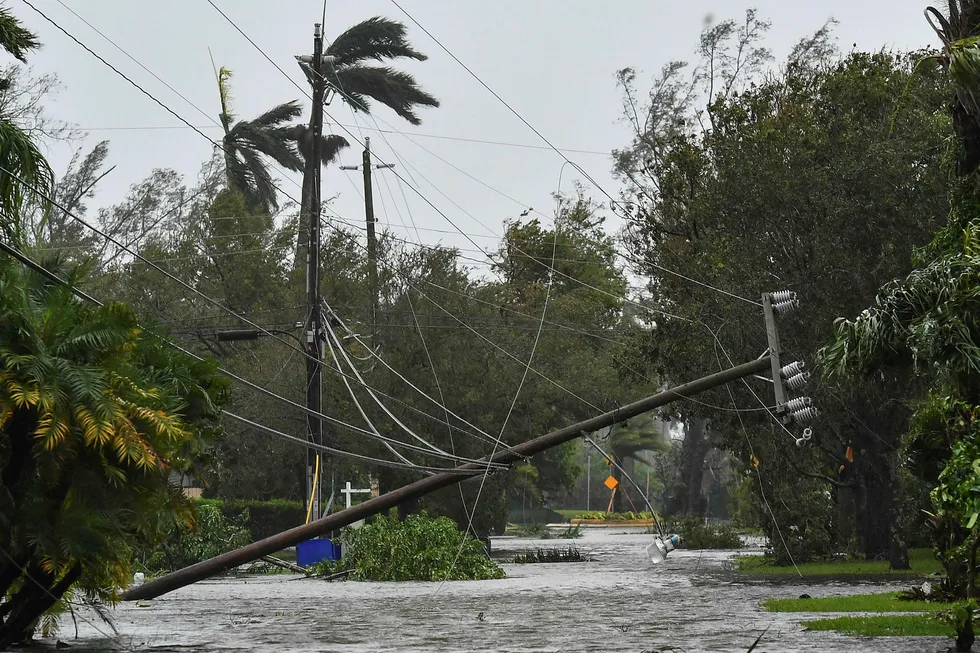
<point x="314" y="326"/>
<point x="372" y="239"/>
<point x="800" y="411"/>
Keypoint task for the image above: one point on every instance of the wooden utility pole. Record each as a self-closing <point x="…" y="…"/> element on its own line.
<point x="372" y="248"/>
<point x="314" y="326"/>
<point x="372" y="239"/>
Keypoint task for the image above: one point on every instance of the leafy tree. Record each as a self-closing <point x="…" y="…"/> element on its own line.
<point x="819" y="179"/>
<point x="925" y="324"/>
<point x="95" y="415"/>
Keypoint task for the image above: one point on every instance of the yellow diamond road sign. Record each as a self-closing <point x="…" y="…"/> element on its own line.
<point x="611" y="483"/>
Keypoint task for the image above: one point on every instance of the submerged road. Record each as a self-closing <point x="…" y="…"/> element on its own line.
<point x="620" y="602"/>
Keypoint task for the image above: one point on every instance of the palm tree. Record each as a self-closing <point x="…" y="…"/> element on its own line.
<point x="20" y="159"/>
<point x="94" y="415"/>
<point x="357" y="83"/>
<point x="246" y="143"/>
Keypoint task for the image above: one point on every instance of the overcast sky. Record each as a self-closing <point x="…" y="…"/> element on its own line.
<point x="553" y="61"/>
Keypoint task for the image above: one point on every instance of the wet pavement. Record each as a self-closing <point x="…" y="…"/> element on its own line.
<point x="619" y="602"/>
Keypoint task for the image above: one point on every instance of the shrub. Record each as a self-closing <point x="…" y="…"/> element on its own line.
<point x="213" y="534"/>
<point x="418" y="548"/>
<point x="694" y="534"/>
<point x="264" y="518"/>
<point x="615" y="516"/>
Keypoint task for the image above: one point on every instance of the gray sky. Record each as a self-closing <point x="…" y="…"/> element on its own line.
<point x="553" y="61"/>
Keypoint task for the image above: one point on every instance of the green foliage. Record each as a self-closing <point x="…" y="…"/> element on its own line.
<point x="614" y="516"/>
<point x="884" y="626"/>
<point x="95" y="415"/>
<point x="879" y="602"/>
<point x="923" y="563"/>
<point x="557" y="554"/>
<point x="262" y="518"/>
<point x="693" y="533"/>
<point x="211" y="535"/>
<point x="418" y="548"/>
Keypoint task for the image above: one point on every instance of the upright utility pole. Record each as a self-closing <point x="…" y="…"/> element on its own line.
<point x="372" y="239"/>
<point x="372" y="246"/>
<point x="314" y="327"/>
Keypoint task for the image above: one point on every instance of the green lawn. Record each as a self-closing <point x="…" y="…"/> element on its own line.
<point x="922" y="561"/>
<point x="884" y="626"/>
<point x="886" y="602"/>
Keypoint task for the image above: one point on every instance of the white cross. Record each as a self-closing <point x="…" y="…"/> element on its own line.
<point x="348" y="490"/>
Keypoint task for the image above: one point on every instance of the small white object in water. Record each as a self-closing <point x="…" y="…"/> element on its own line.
<point x="138" y="578"/>
<point x="927" y="588"/>
<point x="659" y="548"/>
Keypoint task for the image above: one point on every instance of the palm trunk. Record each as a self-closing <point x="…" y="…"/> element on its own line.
<point x="32" y="601"/>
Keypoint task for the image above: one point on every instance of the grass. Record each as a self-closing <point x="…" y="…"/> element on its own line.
<point x="922" y="561"/>
<point x="884" y="626"/>
<point x="887" y="602"/>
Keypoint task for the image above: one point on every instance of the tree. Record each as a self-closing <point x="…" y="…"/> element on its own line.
<point x="378" y="39"/>
<point x="25" y="175"/>
<point x="94" y="415"/>
<point x="925" y="324"/>
<point x="245" y="144"/>
<point x="820" y="179"/>
<point x="626" y="442"/>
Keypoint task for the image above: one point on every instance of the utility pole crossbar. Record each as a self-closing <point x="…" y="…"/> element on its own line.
<point x="292" y="537"/>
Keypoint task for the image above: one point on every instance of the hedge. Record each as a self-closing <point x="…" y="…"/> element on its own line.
<point x="265" y="517"/>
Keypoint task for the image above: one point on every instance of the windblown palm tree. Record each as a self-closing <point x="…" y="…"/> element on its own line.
<point x="357" y="83"/>
<point x="246" y="143"/>
<point x="21" y="163"/>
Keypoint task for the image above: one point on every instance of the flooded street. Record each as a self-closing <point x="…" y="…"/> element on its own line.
<point x="620" y="602"/>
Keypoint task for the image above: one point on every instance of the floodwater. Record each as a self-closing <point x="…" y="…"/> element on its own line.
<point x="619" y="602"/>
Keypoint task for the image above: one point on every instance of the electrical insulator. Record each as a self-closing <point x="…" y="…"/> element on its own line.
<point x="792" y="369"/>
<point x="786" y="306"/>
<point x="797" y="381"/>
<point x="804" y="415"/>
<point x="799" y="403"/>
<point x="781" y="296"/>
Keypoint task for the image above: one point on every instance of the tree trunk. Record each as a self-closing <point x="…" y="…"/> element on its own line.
<point x="689" y="499"/>
<point x="34" y="599"/>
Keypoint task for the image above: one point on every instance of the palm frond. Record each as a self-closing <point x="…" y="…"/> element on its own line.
<point x="20" y="158"/>
<point x="330" y="147"/>
<point x="262" y="195"/>
<point x="395" y="89"/>
<point x="268" y="142"/>
<point x="375" y="38"/>
<point x="14" y="38"/>
<point x="276" y="116"/>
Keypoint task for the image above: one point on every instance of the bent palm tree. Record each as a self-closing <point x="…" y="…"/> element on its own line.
<point x="358" y="83"/>
<point x="247" y="142"/>
<point x="22" y="165"/>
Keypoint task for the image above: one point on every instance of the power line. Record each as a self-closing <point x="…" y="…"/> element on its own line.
<point x="37" y="267"/>
<point x="378" y="130"/>
<point x="612" y="200"/>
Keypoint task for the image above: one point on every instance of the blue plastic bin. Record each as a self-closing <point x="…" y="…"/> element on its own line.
<point x="313" y="551"/>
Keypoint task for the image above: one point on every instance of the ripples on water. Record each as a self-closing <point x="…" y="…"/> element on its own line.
<point x="619" y="602"/>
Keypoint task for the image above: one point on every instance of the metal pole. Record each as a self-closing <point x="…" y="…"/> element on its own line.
<point x="314" y="329"/>
<point x="294" y="536"/>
